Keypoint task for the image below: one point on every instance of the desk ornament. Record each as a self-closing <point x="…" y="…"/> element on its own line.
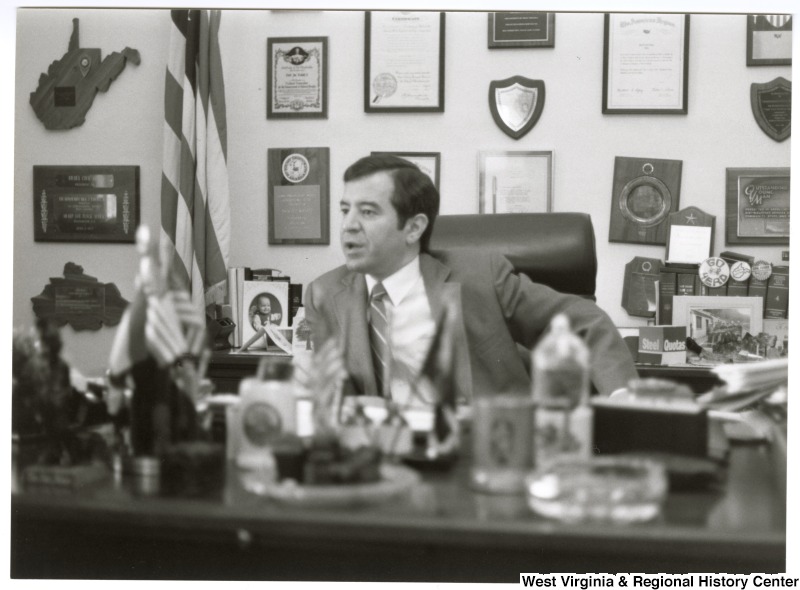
<point x="516" y="104"/>
<point x="772" y="107"/>
<point x="645" y="192"/>
<point x="161" y="346"/>
<point x="66" y="93"/>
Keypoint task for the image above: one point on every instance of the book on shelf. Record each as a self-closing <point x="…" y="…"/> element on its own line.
<point x="777" y="304"/>
<point x="667" y="284"/>
<point x="720" y="291"/>
<point x="737" y="288"/>
<point x="685" y="284"/>
<point x="757" y="288"/>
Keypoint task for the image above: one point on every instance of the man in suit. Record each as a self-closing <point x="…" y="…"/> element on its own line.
<point x="388" y="211"/>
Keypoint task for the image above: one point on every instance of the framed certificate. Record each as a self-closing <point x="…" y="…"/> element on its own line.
<point x="645" y="64"/>
<point x="404" y="62"/>
<point x="297" y="77"/>
<point x="757" y="206"/>
<point x="428" y="162"/>
<point x="298" y="195"/>
<point x="516" y="182"/>
<point x="522" y="29"/>
<point x="85" y="203"/>
<point x="769" y="39"/>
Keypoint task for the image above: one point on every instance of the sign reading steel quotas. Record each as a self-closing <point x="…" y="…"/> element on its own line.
<point x="516" y="104"/>
<point x="714" y="272"/>
<point x="772" y="107"/>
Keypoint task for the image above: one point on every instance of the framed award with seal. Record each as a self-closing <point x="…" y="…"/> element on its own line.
<point x="297" y="77"/>
<point x="644" y="193"/>
<point x="404" y="62"/>
<point x="757" y="206"/>
<point x="298" y="197"/>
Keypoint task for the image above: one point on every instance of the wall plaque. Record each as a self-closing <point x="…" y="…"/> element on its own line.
<point x="769" y="39"/>
<point x="522" y="29"/>
<point x="645" y="192"/>
<point x="79" y="300"/>
<point x="639" y="289"/>
<point x="757" y="206"/>
<point x="85" y="203"/>
<point x="66" y="92"/>
<point x="516" y="104"/>
<point x="298" y="195"/>
<point x="772" y="107"/>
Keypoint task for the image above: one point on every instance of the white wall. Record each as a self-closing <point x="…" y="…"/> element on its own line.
<point x="124" y="127"/>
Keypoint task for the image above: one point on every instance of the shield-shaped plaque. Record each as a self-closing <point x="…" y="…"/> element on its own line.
<point x="516" y="104"/>
<point x="772" y="107"/>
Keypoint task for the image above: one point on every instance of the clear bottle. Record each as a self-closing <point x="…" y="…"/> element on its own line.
<point x="562" y="415"/>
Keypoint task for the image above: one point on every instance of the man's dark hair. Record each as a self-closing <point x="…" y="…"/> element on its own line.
<point x="413" y="190"/>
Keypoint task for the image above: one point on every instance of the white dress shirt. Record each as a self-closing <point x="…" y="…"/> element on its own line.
<point x="411" y="325"/>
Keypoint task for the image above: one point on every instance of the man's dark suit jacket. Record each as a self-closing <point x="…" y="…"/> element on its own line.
<point x="499" y="309"/>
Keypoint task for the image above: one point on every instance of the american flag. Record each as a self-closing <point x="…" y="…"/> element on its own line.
<point x="195" y="207"/>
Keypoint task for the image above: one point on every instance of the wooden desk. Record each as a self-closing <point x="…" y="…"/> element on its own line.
<point x="226" y="370"/>
<point x="441" y="532"/>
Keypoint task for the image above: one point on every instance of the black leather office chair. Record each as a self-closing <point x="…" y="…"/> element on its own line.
<point x="555" y="249"/>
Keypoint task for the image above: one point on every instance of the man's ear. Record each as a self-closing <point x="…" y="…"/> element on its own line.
<point x="415" y="226"/>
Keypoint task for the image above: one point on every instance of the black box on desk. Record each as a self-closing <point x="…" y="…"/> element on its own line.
<point x="663" y="425"/>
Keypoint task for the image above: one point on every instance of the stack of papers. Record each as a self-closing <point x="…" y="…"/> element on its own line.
<point x="747" y="377"/>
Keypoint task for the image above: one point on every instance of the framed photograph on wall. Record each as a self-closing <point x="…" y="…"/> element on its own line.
<point x="718" y="323"/>
<point x="515" y="182"/>
<point x="757" y="206"/>
<point x="522" y="29"/>
<point x="298" y="195"/>
<point x="428" y="162"/>
<point x="404" y="62"/>
<point x="646" y="64"/>
<point x="297" y="77"/>
<point x="85" y="203"/>
<point x="769" y="39"/>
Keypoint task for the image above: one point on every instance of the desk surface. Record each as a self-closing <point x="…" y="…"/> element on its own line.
<point x="440" y="532"/>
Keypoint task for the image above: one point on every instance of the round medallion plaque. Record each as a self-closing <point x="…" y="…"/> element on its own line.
<point x="714" y="272"/>
<point x="295" y="168"/>
<point x="645" y="201"/>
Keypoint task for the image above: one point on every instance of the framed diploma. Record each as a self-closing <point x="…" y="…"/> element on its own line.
<point x="769" y="39"/>
<point x="428" y="162"/>
<point x="298" y="195"/>
<point x="645" y="64"/>
<point x="516" y="182"/>
<point x="522" y="29"/>
<point x="297" y="77"/>
<point x="85" y="203"/>
<point x="404" y="62"/>
<point x="757" y="206"/>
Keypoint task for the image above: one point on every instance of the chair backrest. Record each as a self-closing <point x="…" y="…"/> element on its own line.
<point x="555" y="249"/>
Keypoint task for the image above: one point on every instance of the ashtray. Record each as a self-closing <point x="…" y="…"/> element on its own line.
<point x="605" y="489"/>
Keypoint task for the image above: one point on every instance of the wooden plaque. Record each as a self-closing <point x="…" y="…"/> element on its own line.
<point x="639" y="289"/>
<point x="645" y="192"/>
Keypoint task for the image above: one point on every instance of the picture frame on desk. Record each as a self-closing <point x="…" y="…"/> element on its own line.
<point x="715" y="321"/>
<point x="427" y="162"/>
<point x="515" y="181"/>
<point x="264" y="303"/>
<point x="757" y="206"/>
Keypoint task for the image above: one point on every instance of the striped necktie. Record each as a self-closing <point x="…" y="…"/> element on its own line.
<point x="379" y="334"/>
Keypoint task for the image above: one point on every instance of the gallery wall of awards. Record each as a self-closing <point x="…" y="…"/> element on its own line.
<point x="630" y="118"/>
